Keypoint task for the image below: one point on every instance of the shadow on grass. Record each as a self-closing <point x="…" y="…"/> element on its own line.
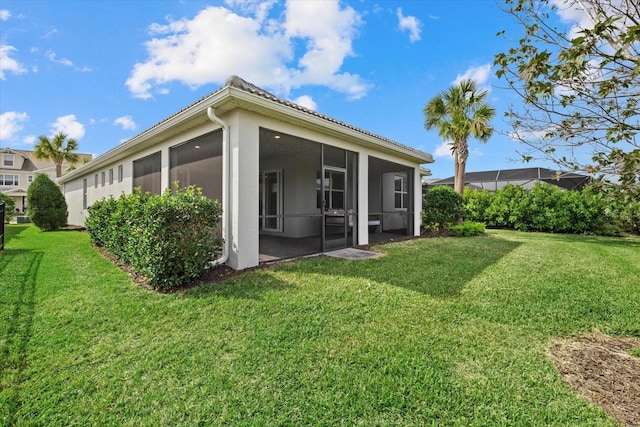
<point x="440" y="267"/>
<point x="13" y="354"/>
<point x="616" y="242"/>
<point x="11" y="231"/>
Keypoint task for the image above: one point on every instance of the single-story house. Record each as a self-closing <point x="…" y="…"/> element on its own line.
<point x="525" y="177"/>
<point x="291" y="181"/>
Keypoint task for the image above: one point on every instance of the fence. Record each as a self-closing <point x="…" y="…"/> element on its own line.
<point x="2" y="226"/>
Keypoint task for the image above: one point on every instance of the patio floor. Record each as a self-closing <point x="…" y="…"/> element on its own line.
<point x="273" y="248"/>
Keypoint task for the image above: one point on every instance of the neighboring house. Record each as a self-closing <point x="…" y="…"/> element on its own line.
<point x="525" y="177"/>
<point x="291" y="181"/>
<point x="18" y="168"/>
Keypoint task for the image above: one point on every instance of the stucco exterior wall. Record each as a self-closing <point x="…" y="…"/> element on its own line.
<point x="244" y="168"/>
<point x="97" y="191"/>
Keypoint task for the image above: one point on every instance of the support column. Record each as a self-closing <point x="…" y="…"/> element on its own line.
<point x="417" y="201"/>
<point x="164" y="169"/>
<point x="244" y="159"/>
<point x="363" y="199"/>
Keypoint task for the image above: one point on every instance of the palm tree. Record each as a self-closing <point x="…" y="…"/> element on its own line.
<point x="458" y="113"/>
<point x="55" y="149"/>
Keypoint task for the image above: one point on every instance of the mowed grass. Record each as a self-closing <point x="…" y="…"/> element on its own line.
<point x="438" y="332"/>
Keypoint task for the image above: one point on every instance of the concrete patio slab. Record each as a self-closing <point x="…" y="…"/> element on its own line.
<point x="354" y="254"/>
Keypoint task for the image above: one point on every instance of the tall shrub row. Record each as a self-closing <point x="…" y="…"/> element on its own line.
<point x="542" y="208"/>
<point x="169" y="238"/>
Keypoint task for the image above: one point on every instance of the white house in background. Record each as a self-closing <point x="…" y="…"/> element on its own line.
<point x="291" y="181"/>
<point x="18" y="168"/>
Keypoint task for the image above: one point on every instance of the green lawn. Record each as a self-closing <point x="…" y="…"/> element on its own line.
<point x="439" y="332"/>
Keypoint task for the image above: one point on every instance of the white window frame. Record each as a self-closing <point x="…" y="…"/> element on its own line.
<point x="403" y="192"/>
<point x="8" y="160"/>
<point x="4" y="179"/>
<point x="278" y="190"/>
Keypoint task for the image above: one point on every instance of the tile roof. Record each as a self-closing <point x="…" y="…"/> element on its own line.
<point x="239" y="83"/>
<point x="31" y="163"/>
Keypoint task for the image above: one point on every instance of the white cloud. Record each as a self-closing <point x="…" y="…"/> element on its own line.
<point x="30" y="139"/>
<point x="10" y="124"/>
<point x="570" y="13"/>
<point x="51" y="32"/>
<point x="51" y="56"/>
<point x="480" y="74"/>
<point x="307" y="102"/>
<point x="4" y="14"/>
<point x="126" y="122"/>
<point x="409" y="23"/>
<point x="9" y="64"/>
<point x="258" y="49"/>
<point x="443" y="150"/>
<point x="68" y="125"/>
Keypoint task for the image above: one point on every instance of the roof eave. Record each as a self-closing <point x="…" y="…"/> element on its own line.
<point x="150" y="136"/>
<point x="228" y="98"/>
<point x="321" y="123"/>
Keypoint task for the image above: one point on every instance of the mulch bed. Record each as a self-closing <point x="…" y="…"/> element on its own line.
<point x="602" y="369"/>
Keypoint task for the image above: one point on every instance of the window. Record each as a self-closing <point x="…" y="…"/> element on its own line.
<point x="102" y="178"/>
<point x="84" y="193"/>
<point x="271" y="199"/>
<point x="7" y="160"/>
<point x="120" y="173"/>
<point x="146" y="173"/>
<point x="95" y="180"/>
<point x="110" y="176"/>
<point x="334" y="188"/>
<point x="400" y="192"/>
<point x="30" y="179"/>
<point x="9" y="180"/>
<point x="198" y="162"/>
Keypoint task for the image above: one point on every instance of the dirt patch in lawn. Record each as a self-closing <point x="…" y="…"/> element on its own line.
<point x="604" y="370"/>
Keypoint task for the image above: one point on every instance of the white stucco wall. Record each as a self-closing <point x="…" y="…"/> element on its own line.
<point x="73" y="189"/>
<point x="244" y="165"/>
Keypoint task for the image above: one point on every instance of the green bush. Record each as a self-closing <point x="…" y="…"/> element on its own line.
<point x="9" y="206"/>
<point x="503" y="212"/>
<point x="544" y="207"/>
<point x="467" y="229"/>
<point x="622" y="206"/>
<point x="441" y="206"/>
<point x="47" y="207"/>
<point x="476" y="204"/>
<point x="169" y="238"/>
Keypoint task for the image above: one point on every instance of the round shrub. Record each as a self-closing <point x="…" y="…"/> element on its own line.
<point x="46" y="205"/>
<point x="441" y="206"/>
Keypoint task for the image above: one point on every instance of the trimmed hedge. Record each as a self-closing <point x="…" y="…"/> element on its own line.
<point x="543" y="208"/>
<point x="169" y="238"/>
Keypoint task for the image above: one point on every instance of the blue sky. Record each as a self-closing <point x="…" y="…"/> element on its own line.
<point x="104" y="71"/>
